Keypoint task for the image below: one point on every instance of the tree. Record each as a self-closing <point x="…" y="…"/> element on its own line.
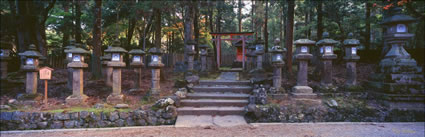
<point x="319" y="20"/>
<point x="266" y="34"/>
<point x="97" y="39"/>
<point x="289" y="34"/>
<point x="31" y="28"/>
<point x="77" y="21"/>
<point x="367" y="38"/>
<point x="240" y="15"/>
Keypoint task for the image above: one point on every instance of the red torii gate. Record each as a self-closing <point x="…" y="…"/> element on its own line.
<point x="231" y="34"/>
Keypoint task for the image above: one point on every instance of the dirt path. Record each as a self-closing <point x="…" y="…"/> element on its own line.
<point x="288" y="129"/>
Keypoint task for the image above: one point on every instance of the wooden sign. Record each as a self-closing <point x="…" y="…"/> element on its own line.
<point x="46" y="73"/>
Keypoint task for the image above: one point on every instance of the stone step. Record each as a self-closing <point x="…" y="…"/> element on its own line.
<point x="223" y="89"/>
<point x="217" y="96"/>
<point x="211" y="111"/>
<point x="231" y="70"/>
<point x="212" y="102"/>
<point x="224" y="82"/>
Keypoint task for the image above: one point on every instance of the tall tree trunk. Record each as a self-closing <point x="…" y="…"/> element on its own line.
<point x="196" y="28"/>
<point x="77" y="21"/>
<point x="289" y="35"/>
<point x="211" y="13"/>
<point x="252" y="15"/>
<point x="319" y="20"/>
<point x="367" y="38"/>
<point x="67" y="24"/>
<point x="240" y="15"/>
<point x="97" y="39"/>
<point x="281" y="23"/>
<point x="266" y="34"/>
<point x="130" y="32"/>
<point x="12" y="5"/>
<point x="157" y="27"/>
<point x="188" y="26"/>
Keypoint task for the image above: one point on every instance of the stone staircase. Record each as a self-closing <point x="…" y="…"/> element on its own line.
<point x="216" y="98"/>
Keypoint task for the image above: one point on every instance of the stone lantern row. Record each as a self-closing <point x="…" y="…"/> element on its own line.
<point x="112" y="62"/>
<point x="303" y="55"/>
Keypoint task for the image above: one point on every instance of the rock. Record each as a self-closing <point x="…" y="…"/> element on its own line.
<point x="332" y="103"/>
<point x="194" y="79"/>
<point x="119" y="123"/>
<point x="74" y="115"/>
<point x="167" y="115"/>
<point x="161" y="121"/>
<point x="152" y="120"/>
<point x="99" y="106"/>
<point x="121" y="106"/>
<point x="42" y="125"/>
<point x="56" y="124"/>
<point x="101" y="123"/>
<point x="124" y="115"/>
<point x="7" y="116"/>
<point x="181" y="93"/>
<point x="130" y="122"/>
<point x="61" y="116"/>
<point x="94" y="117"/>
<point x="162" y="103"/>
<point x="169" y="122"/>
<point x="70" y="124"/>
<point x="141" y="122"/>
<point x="172" y="110"/>
<point x="114" y="116"/>
<point x="12" y="101"/>
<point x="45" y="116"/>
<point x="139" y="114"/>
<point x="84" y="114"/>
<point x="5" y="107"/>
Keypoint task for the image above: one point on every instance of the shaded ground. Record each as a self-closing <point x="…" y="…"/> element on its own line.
<point x="298" y="130"/>
<point x="95" y="89"/>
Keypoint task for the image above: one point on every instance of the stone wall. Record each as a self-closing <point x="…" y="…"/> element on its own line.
<point x="43" y="120"/>
<point x="275" y="113"/>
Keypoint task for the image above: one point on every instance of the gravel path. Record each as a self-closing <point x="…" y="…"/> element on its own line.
<point x="288" y="129"/>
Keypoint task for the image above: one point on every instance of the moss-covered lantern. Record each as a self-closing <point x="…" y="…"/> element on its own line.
<point x="31" y="58"/>
<point x="328" y="46"/>
<point x="351" y="45"/>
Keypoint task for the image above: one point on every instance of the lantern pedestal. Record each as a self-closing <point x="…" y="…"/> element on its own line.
<point x="155" y="87"/>
<point x="351" y="70"/>
<point x="277" y="75"/>
<point x="31" y="80"/>
<point x="204" y="71"/>
<point x="210" y="60"/>
<point x="116" y="96"/>
<point x="138" y="70"/>
<point x="3" y="68"/>
<point x="302" y="90"/>
<point x="326" y="75"/>
<point x="78" y="96"/>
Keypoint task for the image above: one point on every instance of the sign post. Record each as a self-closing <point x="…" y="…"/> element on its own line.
<point x="45" y="74"/>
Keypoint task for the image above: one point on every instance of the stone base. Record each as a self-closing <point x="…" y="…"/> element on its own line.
<point x="302" y="89"/>
<point x="75" y="100"/>
<point x="115" y="99"/>
<point x="303" y="92"/>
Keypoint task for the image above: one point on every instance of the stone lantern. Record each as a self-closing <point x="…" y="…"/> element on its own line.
<point x="327" y="57"/>
<point x="204" y="54"/>
<point x="107" y="70"/>
<point x="77" y="64"/>
<point x="31" y="67"/>
<point x="277" y="61"/>
<point x="137" y="64"/>
<point x="156" y="65"/>
<point x="68" y="59"/>
<point x="211" y="63"/>
<point x="259" y="51"/>
<point x="398" y="80"/>
<point x="190" y="54"/>
<point x="4" y="58"/>
<point x="117" y="62"/>
<point x="351" y="57"/>
<point x="303" y="56"/>
<point x="250" y="56"/>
